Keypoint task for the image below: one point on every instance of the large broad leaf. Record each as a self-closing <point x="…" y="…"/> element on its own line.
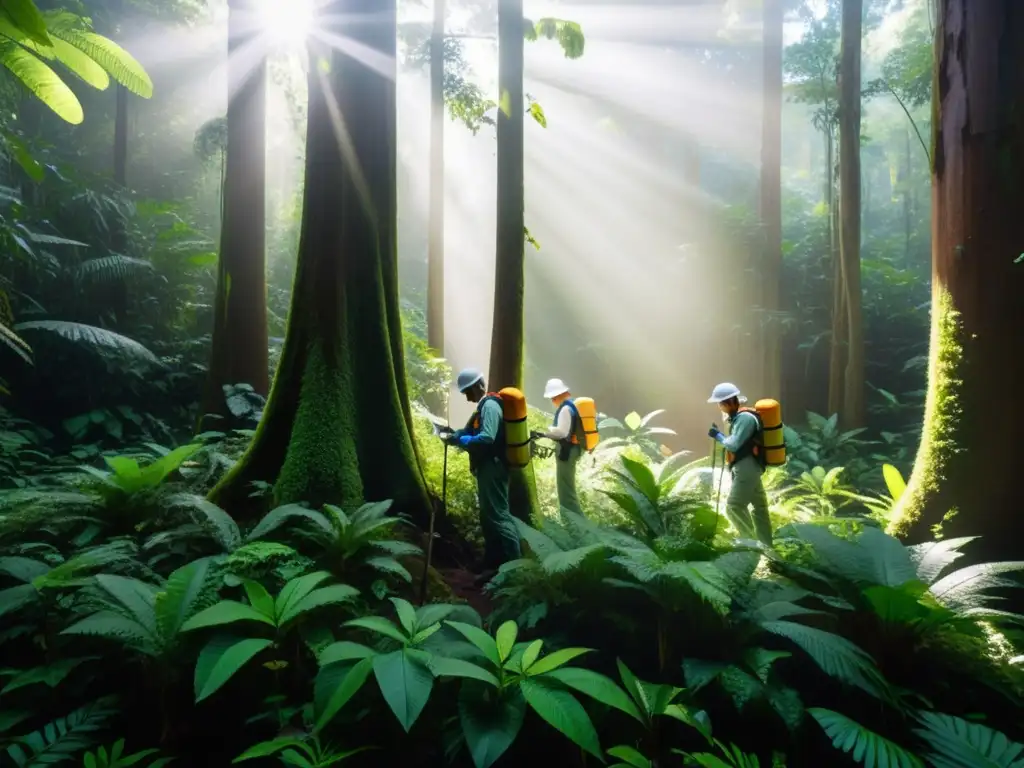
<point x="597" y="687"/>
<point x="27" y="19"/>
<point x="42" y="81"/>
<point x="480" y="639"/>
<point x="222" y="662"/>
<point x="957" y="743"/>
<point x="343" y="685"/>
<point x="405" y="681"/>
<point x="866" y="747"/>
<point x="90" y="335"/>
<point x="78" y="62"/>
<point x="223" y="613"/>
<point x="121" y="65"/>
<point x="933" y="557"/>
<point x="561" y="711"/>
<point x="490" y="720"/>
<point x="179" y="599"/>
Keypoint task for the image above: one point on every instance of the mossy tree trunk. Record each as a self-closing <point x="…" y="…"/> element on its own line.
<point x="964" y="464"/>
<point x="239" y="354"/>
<point x="853" y="412"/>
<point x="508" y="327"/>
<point x="770" y="198"/>
<point x="336" y="427"/>
<point x="435" y="251"/>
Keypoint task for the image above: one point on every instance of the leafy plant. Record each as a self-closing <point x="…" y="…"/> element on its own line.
<point x="637" y="431"/>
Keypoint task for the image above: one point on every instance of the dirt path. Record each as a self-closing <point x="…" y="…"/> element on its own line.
<point x="461" y="582"/>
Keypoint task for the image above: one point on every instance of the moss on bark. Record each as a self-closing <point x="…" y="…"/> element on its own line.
<point x="337" y="426"/>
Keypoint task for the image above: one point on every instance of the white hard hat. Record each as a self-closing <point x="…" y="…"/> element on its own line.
<point x="554" y="388"/>
<point x="726" y="391"/>
<point x="467" y="378"/>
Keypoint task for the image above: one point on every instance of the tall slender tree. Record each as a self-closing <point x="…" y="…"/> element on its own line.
<point x="239" y="353"/>
<point x="336" y="427"/>
<point x="435" y="248"/>
<point x="507" y="343"/>
<point x="770" y="198"/>
<point x="964" y="479"/>
<point x="849" y="281"/>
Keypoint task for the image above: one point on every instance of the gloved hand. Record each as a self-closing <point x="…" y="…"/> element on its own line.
<point x="715" y="433"/>
<point x="465" y="440"/>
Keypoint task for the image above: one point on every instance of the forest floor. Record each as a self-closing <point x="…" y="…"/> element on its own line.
<point x="462" y="583"/>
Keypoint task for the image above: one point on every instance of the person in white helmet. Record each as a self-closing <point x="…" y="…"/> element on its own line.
<point x="483" y="438"/>
<point x="747" y="505"/>
<point x="564" y="431"/>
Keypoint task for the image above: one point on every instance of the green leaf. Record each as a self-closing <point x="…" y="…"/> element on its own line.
<point x="490" y="720"/>
<point x="379" y="625"/>
<point x="442" y="666"/>
<point x="121" y="65"/>
<point x="259" y="598"/>
<point x="225" y="612"/>
<point x="597" y="687"/>
<point x="530" y="654"/>
<point x="630" y="756"/>
<point x="17" y="597"/>
<point x="405" y="682"/>
<point x="561" y="711"/>
<point x="556" y="660"/>
<point x="866" y="747"/>
<point x="344" y="651"/>
<point x="893" y="481"/>
<point x="226" y="662"/>
<point x="957" y="743"/>
<point x="294" y="591"/>
<point x="835" y="655"/>
<point x="347" y="688"/>
<point x="484" y="642"/>
<point x="27" y="19"/>
<point x="268" y="748"/>
<point x="42" y="81"/>
<point x="331" y="595"/>
<point x="81" y="65"/>
<point x="505" y="638"/>
<point x="406" y="614"/>
<point x="51" y="674"/>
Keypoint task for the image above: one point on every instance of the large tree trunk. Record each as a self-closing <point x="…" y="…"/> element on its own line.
<point x="336" y="426"/>
<point x="853" y="411"/>
<point x="239" y="354"/>
<point x="507" y="329"/>
<point x="435" y="251"/>
<point x="977" y="311"/>
<point x="770" y="199"/>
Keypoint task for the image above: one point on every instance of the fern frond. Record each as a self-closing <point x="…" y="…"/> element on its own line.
<point x="91" y="336"/>
<point x="216" y="522"/>
<point x="121" y="65"/>
<point x="934" y="557"/>
<point x="957" y="743"/>
<point x="63" y="739"/>
<point x="182" y="597"/>
<point x="966" y="588"/>
<point x="835" y="655"/>
<point x="111" y="267"/>
<point x="866" y="747"/>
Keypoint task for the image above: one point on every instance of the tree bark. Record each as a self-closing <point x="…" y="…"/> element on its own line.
<point x="121" y="137"/>
<point x="507" y="328"/>
<point x="435" y="252"/>
<point x="336" y="426"/>
<point x="239" y="353"/>
<point x="962" y="479"/>
<point x="853" y="410"/>
<point x="770" y="198"/>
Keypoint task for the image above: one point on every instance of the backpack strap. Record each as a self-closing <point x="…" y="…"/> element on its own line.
<point x="753" y="446"/>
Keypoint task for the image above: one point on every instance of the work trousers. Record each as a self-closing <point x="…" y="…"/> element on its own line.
<point x="501" y="536"/>
<point x="565" y="480"/>
<point x="747" y="506"/>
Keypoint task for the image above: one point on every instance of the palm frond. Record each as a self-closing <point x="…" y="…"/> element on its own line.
<point x="91" y="336"/>
<point x="933" y="557"/>
<point x="968" y="587"/>
<point x="957" y="743"/>
<point x="63" y="739"/>
<point x="112" y="267"/>
<point x="121" y="65"/>
<point x="865" y="746"/>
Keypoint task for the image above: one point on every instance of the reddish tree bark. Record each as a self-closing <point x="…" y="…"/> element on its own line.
<point x="967" y="464"/>
<point x="239" y="354"/>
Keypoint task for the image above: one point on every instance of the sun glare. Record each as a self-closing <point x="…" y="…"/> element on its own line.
<point x="287" y="22"/>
